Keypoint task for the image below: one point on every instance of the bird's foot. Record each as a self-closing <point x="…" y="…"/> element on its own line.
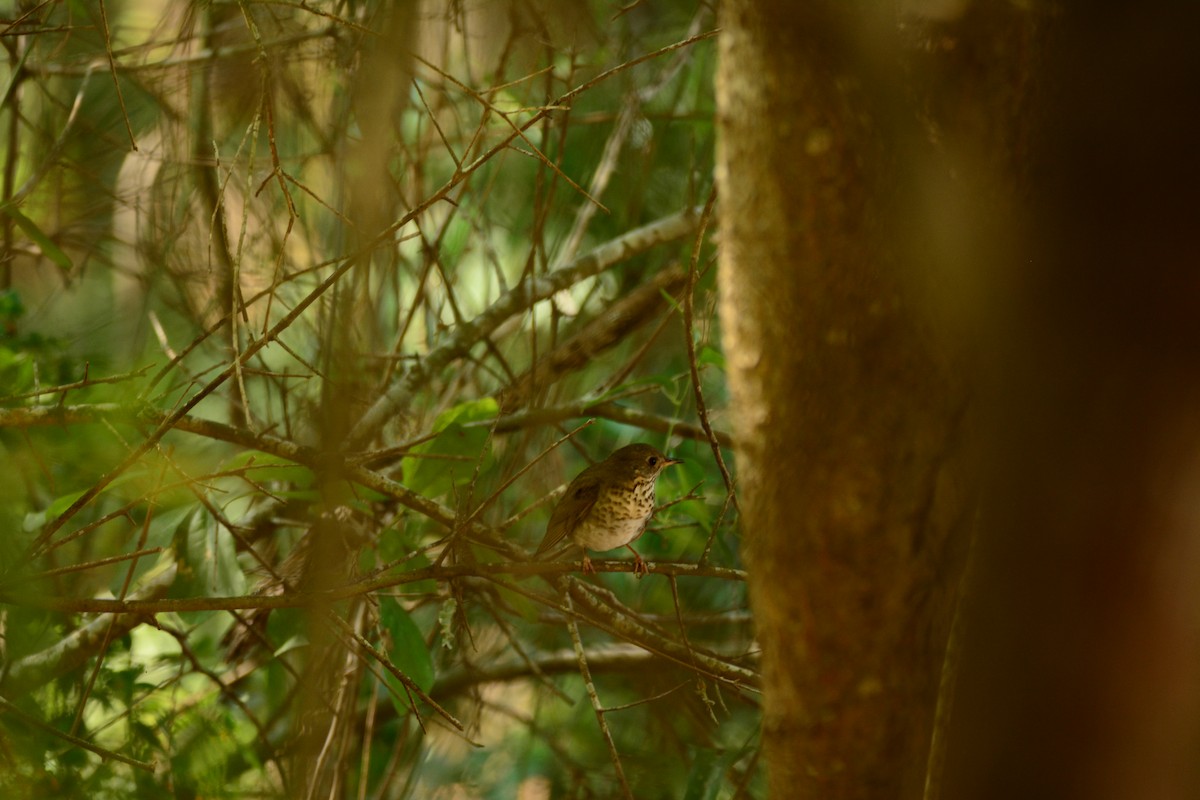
<point x="639" y="565"/>
<point x="588" y="569"/>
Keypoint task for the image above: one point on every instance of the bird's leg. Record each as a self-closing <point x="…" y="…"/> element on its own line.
<point x="639" y="566"/>
<point x="588" y="569"/>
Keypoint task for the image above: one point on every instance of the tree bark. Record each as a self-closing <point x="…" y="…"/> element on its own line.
<point x="845" y="410"/>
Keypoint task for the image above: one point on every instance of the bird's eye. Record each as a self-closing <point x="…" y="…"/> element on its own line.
<point x="652" y="460"/>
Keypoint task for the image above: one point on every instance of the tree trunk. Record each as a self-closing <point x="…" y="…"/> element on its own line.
<point x="844" y="408"/>
<point x="1082" y="656"/>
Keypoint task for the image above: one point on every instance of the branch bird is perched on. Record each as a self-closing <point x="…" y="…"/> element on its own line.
<point x="609" y="504"/>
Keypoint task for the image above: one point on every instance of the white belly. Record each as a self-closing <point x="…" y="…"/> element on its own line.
<point x="600" y="536"/>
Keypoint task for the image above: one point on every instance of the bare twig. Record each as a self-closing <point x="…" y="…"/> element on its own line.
<point x="80" y="384"/>
<point x="112" y="68"/>
<point x="604" y="410"/>
<point x="516" y="301"/>
<point x="103" y="752"/>
<point x="518" y="130"/>
<point x="615" y="622"/>
<point x="516" y="475"/>
<point x="305" y="600"/>
<point x="595" y="698"/>
<point x="387" y="664"/>
<point x="689" y="335"/>
<point x="83" y="567"/>
<point x="73" y="650"/>
<point x="607" y="329"/>
<point x="141" y="544"/>
<point x="466" y="335"/>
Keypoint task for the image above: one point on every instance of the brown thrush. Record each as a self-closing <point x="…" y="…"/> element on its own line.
<point x="609" y="504"/>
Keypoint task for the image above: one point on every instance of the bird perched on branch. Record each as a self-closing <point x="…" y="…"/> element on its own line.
<point x="609" y="504"/>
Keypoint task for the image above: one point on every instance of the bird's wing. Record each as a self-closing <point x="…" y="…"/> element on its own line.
<point x="571" y="509"/>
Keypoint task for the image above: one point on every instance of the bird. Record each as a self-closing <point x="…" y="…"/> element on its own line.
<point x="609" y="504"/>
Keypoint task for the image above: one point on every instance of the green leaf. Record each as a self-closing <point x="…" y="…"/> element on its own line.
<point x="16" y="372"/>
<point x="290" y="626"/>
<point x="711" y="355"/>
<point x="49" y="248"/>
<point x="455" y="241"/>
<point x="213" y="558"/>
<point x="671" y="301"/>
<point x="11" y="307"/>
<point x="471" y="411"/>
<point x="408" y="653"/>
<point x="293" y="643"/>
<point x="61" y="504"/>
<point x="449" y="459"/>
<point x="165" y="525"/>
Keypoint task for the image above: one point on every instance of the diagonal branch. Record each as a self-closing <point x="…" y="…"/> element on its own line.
<point x="517" y="300"/>
<point x="586" y="674"/>
<point x="605" y="410"/>
<point x="9" y="708"/>
<point x="608" y="328"/>
<point x="73" y="650"/>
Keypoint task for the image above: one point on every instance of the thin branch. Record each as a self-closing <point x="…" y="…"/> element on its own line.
<point x="224" y="688"/>
<point x="201" y="56"/>
<point x="532" y="664"/>
<point x="100" y="562"/>
<point x="603" y="173"/>
<point x="518" y="130"/>
<point x="516" y="301"/>
<point x="608" y="618"/>
<point x="645" y="700"/>
<point x="387" y="664"/>
<point x="307" y="600"/>
<point x="53" y="154"/>
<point x="613" y="657"/>
<point x="112" y="68"/>
<point x="608" y="328"/>
<point x="517" y="475"/>
<point x="595" y="698"/>
<point x="605" y="410"/>
<point x="73" y="650"/>
<point x="689" y="336"/>
<point x="141" y="544"/>
<point x="603" y="76"/>
<point x="103" y="752"/>
<point x="467" y="335"/>
<point x="81" y="384"/>
<point x="623" y="626"/>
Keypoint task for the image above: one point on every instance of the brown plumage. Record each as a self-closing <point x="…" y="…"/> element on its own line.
<point x="609" y="504"/>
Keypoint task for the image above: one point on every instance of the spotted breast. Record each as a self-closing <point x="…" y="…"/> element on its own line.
<point x="609" y="504"/>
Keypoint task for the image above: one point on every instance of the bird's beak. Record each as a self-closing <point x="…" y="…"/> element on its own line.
<point x="673" y="461"/>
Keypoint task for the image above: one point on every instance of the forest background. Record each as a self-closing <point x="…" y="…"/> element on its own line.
<point x="310" y="311"/>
